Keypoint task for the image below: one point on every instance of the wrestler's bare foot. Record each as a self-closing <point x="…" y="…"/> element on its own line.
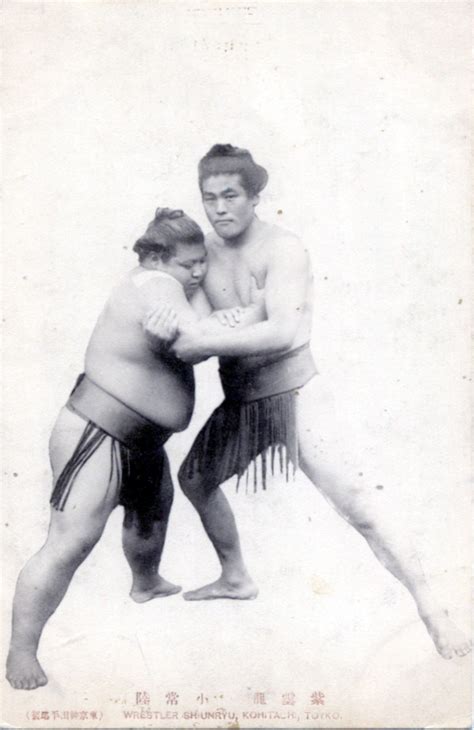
<point x="448" y="639"/>
<point x="160" y="588"/>
<point x="242" y="590"/>
<point x="24" y="670"/>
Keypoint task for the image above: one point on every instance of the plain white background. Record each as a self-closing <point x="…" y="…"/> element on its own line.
<point x="359" y="111"/>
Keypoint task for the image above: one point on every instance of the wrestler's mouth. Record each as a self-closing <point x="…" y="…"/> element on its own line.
<point x="221" y="222"/>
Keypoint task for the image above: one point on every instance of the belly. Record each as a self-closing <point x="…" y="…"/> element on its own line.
<point x="162" y="392"/>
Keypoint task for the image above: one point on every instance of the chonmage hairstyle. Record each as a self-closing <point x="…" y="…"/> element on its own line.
<point x="167" y="228"/>
<point x="227" y="159"/>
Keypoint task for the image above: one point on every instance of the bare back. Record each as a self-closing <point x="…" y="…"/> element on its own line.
<point x="121" y="360"/>
<point x="228" y="281"/>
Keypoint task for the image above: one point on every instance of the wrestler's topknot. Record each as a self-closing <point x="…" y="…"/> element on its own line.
<point x="169" y="227"/>
<point x="226" y="159"/>
<point x="162" y="213"/>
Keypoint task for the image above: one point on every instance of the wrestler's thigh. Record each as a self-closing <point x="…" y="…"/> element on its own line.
<point x="326" y="449"/>
<point x="94" y="493"/>
<point x="317" y="420"/>
<point x="162" y="494"/>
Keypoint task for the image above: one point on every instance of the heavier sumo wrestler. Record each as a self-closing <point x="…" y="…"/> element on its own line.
<point x="106" y="447"/>
<point x="274" y="400"/>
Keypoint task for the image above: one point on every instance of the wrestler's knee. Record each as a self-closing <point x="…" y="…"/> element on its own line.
<point x="70" y="543"/>
<point x="191" y="483"/>
<point x="73" y="552"/>
<point x="359" y="513"/>
<point x="365" y="526"/>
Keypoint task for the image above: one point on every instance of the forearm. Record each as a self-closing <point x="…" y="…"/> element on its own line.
<point x="253" y="339"/>
<point x="161" y="327"/>
<point x="252" y="314"/>
<point x="232" y="318"/>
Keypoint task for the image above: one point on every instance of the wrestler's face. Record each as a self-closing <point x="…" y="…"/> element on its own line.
<point x="229" y="207"/>
<point x="188" y="265"/>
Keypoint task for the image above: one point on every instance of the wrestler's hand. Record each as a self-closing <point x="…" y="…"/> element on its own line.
<point x="161" y="324"/>
<point x="228" y="317"/>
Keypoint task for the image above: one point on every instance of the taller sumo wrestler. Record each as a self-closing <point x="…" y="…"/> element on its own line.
<point x="274" y="399"/>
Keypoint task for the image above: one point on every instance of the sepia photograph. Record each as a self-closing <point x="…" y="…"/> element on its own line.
<point x="236" y="364"/>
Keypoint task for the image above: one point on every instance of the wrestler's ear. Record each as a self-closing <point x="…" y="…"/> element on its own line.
<point x="255" y="200"/>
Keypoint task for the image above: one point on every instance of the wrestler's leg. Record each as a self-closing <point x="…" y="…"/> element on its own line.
<point x="219" y="523"/>
<point x="362" y="507"/>
<point x="72" y="535"/>
<point x="143" y="548"/>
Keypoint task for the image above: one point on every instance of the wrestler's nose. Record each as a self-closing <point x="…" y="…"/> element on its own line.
<point x="221" y="206"/>
<point x="198" y="271"/>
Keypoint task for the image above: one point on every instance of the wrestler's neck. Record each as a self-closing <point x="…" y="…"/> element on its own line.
<point x="248" y="237"/>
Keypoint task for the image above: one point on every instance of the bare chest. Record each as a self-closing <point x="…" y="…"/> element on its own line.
<point x="229" y="278"/>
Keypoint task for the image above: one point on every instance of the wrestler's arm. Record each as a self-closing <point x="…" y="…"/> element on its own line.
<point x="230" y="317"/>
<point x="285" y="294"/>
<point x="167" y="297"/>
<point x="169" y="311"/>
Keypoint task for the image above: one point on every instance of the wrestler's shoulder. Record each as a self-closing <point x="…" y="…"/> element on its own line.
<point x="123" y="287"/>
<point x="152" y="285"/>
<point x="278" y="233"/>
<point x="284" y="242"/>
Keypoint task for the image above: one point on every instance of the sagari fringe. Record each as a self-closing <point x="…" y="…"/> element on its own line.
<point x="92" y="437"/>
<point x="237" y="433"/>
